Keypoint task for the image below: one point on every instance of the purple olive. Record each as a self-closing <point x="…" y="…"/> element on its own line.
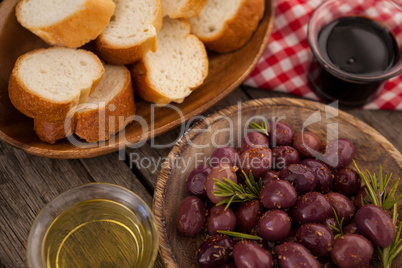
<point x="375" y="224"/>
<point x="248" y="254"/>
<point x="342" y="205"/>
<point x="311" y="207"/>
<point x="248" y="214"/>
<point x="253" y="140"/>
<point x="226" y="155"/>
<point x="256" y="160"/>
<point x="269" y="175"/>
<point x="280" y="134"/>
<point x="219" y="172"/>
<point x="274" y="225"/>
<point x="307" y="143"/>
<point x="351" y="251"/>
<point x="316" y="237"/>
<point x="361" y="194"/>
<point x="196" y="181"/>
<point x="300" y="176"/>
<point x="347" y="182"/>
<point x="283" y="156"/>
<point x="351" y="228"/>
<point x="322" y="173"/>
<point x="278" y="194"/>
<point x="339" y="153"/>
<point x="221" y="219"/>
<point x="292" y="254"/>
<point x="190" y="216"/>
<point x="215" y="251"/>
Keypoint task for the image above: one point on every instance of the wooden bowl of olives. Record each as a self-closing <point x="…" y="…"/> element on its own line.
<point x="278" y="182"/>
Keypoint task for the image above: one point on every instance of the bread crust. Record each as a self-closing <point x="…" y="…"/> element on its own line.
<point x="51" y="132"/>
<point x="92" y="127"/>
<point x="238" y="30"/>
<point x="88" y="124"/>
<point x="189" y="10"/>
<point x="35" y="106"/>
<point x="143" y="86"/>
<point x="78" y="28"/>
<point x="129" y="54"/>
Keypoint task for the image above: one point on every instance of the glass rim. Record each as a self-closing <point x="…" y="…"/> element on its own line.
<point x="35" y="240"/>
<point x="312" y="41"/>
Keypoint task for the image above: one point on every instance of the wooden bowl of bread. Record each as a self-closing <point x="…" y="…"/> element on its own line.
<point x="86" y="82"/>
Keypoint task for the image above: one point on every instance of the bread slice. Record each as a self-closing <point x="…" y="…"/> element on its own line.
<point x="108" y="110"/>
<point x="69" y="23"/>
<point x="131" y="32"/>
<point x="46" y="83"/>
<point x="179" y="65"/>
<point x="225" y="26"/>
<point x="182" y="8"/>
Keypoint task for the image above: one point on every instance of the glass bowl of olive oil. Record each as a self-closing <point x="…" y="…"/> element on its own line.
<point x="94" y="225"/>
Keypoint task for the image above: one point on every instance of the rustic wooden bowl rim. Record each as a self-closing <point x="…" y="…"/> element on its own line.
<point x="164" y="178"/>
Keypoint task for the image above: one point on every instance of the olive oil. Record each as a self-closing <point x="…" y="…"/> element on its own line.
<point x="97" y="233"/>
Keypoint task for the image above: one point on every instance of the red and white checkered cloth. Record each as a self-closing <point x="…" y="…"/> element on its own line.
<point x="284" y="64"/>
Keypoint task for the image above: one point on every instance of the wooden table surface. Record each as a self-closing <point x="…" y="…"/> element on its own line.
<point x="28" y="182"/>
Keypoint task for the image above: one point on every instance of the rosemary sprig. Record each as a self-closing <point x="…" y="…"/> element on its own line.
<point x="378" y="196"/>
<point x="377" y="193"/>
<point x="263" y="128"/>
<point x="240" y="235"/>
<point x="235" y="193"/>
<point x="339" y="225"/>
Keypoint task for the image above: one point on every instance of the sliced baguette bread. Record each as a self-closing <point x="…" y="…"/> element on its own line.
<point x="225" y="26"/>
<point x="182" y="8"/>
<point x="69" y="23"/>
<point x="107" y="111"/>
<point x="131" y="31"/>
<point x="46" y="83"/>
<point x="179" y="65"/>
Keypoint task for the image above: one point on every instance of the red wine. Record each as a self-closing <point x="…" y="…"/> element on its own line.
<point x="358" y="46"/>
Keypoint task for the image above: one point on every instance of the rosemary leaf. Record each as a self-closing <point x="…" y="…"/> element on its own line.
<point x="381" y="180"/>
<point x="224" y="201"/>
<point x="338" y="223"/>
<point x="391" y="204"/>
<point x="222" y="186"/>
<point x="390" y="196"/>
<point x="379" y="249"/>
<point x="394" y="254"/>
<point x="371" y="193"/>
<point x="388" y="180"/>
<point x="263" y="128"/>
<point x="236" y="193"/>
<point x="334" y="228"/>
<point x="396" y="240"/>
<point x="240" y="235"/>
